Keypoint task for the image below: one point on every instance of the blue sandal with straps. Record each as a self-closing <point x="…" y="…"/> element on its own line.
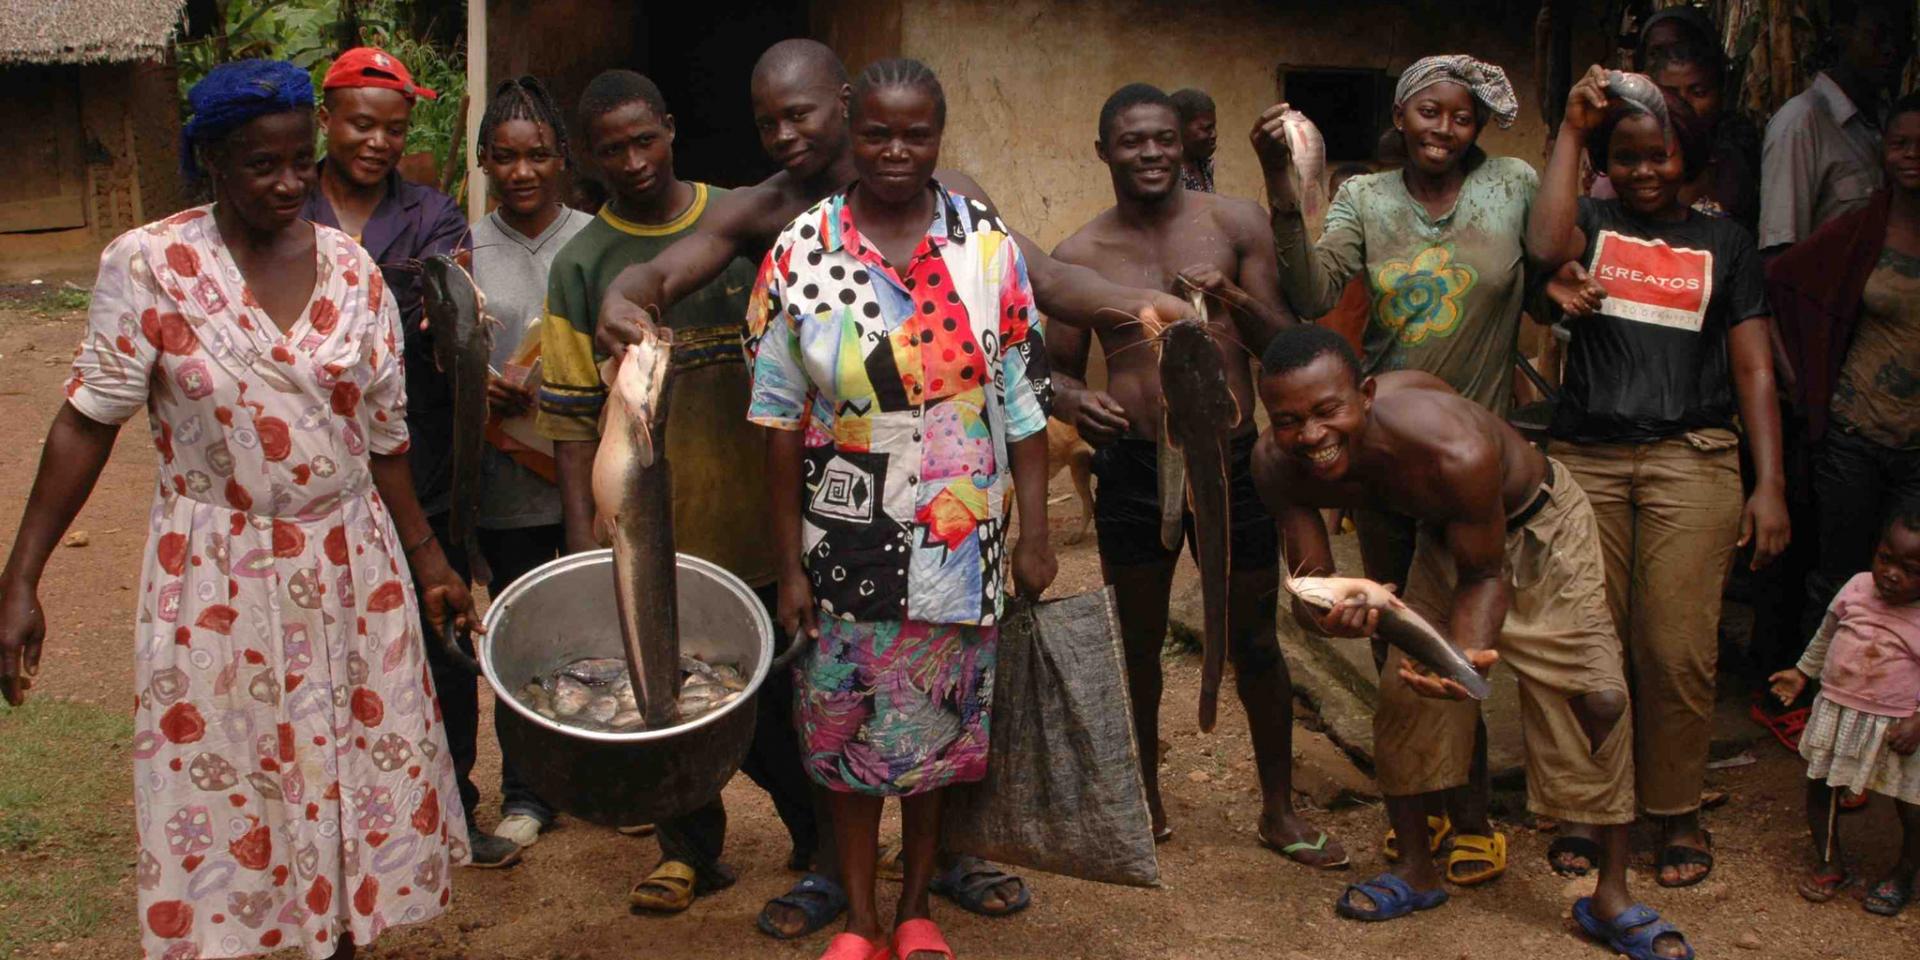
<point x="1632" y="933"/>
<point x="817" y="898"/>
<point x="1392" y="899"/>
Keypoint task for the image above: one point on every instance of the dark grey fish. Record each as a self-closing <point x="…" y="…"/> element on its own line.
<point x="462" y="343"/>
<point x="1201" y="414"/>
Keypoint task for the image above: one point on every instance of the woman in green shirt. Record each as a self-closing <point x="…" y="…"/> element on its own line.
<point x="1442" y="245"/>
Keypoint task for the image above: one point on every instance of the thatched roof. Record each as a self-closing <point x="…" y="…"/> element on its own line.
<point x="85" y="31"/>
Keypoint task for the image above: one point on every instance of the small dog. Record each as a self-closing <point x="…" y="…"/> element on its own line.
<point x="1066" y="449"/>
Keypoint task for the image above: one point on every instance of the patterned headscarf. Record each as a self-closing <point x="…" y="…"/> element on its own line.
<point x="232" y="94"/>
<point x="1487" y="82"/>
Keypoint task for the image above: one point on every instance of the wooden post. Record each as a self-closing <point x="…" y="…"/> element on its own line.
<point x="476" y="106"/>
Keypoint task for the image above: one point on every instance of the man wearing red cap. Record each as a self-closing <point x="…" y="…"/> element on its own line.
<point x="367" y="107"/>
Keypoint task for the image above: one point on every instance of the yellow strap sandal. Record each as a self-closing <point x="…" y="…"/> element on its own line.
<point x="1438" y="830"/>
<point x="668" y="889"/>
<point x="1475" y="859"/>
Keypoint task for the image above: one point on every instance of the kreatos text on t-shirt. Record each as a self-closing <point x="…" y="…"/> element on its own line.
<point x="1651" y="282"/>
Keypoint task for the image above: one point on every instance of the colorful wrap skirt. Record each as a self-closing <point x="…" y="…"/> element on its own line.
<point x="893" y="709"/>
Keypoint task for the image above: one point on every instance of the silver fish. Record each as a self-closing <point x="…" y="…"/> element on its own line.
<point x="596" y="694"/>
<point x="1308" y="172"/>
<point x="633" y="501"/>
<point x="1399" y="625"/>
<point x="1638" y="93"/>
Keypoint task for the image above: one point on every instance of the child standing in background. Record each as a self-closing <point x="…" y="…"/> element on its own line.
<point x="1864" y="727"/>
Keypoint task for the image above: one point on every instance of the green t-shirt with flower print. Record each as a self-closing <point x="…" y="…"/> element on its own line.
<point x="1446" y="291"/>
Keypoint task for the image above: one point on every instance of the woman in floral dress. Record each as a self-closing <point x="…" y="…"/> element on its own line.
<point x="292" y="786"/>
<point x="898" y="360"/>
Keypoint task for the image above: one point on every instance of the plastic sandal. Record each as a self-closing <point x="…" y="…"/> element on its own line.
<point x="1392" y="899"/>
<point x="674" y="881"/>
<point x="919" y="936"/>
<point x="1852" y="800"/>
<point x="816" y="896"/>
<point x="1785" y="727"/>
<point x="1676" y="855"/>
<point x="968" y="881"/>
<point x="1293" y="851"/>
<point x="1438" y="830"/>
<point x="1889" y="897"/>
<point x="1632" y="933"/>
<point x="1485" y="858"/>
<point x="852" y="946"/>
<point x="1576" y="846"/>
<point x="1823" y="883"/>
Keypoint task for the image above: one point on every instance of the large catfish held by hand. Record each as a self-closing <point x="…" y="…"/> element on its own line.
<point x="1399" y="625"/>
<point x="462" y="343"/>
<point x="1201" y="414"/>
<point x="633" y="507"/>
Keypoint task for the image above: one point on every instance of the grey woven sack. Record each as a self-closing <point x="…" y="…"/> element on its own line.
<point x="1063" y="791"/>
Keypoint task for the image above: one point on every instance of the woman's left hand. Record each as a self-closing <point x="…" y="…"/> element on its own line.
<point x="444" y="594"/>
<point x="1765" y="525"/>
<point x="1904" y="738"/>
<point x="1034" y="566"/>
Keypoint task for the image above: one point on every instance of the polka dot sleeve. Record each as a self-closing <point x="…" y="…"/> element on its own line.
<point x="780" y="386"/>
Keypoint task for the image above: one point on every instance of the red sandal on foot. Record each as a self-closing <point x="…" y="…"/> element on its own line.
<point x="852" y="946"/>
<point x="919" y="936"/>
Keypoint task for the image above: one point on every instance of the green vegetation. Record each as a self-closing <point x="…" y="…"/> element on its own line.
<point x="66" y="827"/>
<point x="310" y="32"/>
<point x="63" y="300"/>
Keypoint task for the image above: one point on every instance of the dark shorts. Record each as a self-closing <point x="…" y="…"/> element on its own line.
<point x="1126" y="507"/>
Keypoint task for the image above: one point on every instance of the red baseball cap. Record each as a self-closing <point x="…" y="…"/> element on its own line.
<point x="373" y="67"/>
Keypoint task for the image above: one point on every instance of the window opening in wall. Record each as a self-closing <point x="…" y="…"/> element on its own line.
<point x="1350" y="105"/>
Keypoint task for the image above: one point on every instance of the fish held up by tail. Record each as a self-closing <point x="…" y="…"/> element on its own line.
<point x="633" y="508"/>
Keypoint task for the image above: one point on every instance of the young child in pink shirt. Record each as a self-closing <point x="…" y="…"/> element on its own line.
<point x="1864" y="726"/>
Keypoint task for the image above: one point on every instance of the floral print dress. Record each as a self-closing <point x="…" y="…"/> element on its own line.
<point x="910" y="381"/>
<point x="291" y="779"/>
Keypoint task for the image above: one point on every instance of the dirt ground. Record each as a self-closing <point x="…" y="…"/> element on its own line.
<point x="1223" y="896"/>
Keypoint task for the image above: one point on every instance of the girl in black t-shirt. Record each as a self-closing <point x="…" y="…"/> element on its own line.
<point x="1670" y="344"/>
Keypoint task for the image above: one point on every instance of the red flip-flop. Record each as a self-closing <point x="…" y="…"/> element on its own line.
<point x="919" y="936"/>
<point x="852" y="946"/>
<point x="1785" y="727"/>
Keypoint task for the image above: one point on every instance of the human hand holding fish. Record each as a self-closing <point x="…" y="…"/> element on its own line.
<point x="1269" y="138"/>
<point x="1587" y="103"/>
<point x="1358" y="607"/>
<point x="444" y="593"/>
<point x="1424" y="681"/>
<point x="1207" y="279"/>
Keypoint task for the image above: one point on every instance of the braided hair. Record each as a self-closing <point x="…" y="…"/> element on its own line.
<point x="901" y="72"/>
<point x="524" y="98"/>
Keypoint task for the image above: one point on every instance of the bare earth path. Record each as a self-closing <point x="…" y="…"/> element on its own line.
<point x="1223" y="895"/>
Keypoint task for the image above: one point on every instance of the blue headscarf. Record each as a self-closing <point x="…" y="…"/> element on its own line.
<point x="233" y="94"/>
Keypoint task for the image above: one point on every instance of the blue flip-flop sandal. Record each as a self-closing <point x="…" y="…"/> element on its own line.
<point x="817" y="897"/>
<point x="968" y="882"/>
<point x="1632" y="933"/>
<point x="1392" y="899"/>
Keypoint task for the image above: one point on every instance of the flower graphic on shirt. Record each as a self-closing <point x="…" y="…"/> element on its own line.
<point x="1421" y="298"/>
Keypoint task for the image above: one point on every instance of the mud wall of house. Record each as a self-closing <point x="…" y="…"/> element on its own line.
<point x="1025" y="78"/>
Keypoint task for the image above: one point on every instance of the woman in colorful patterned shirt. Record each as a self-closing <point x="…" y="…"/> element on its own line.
<point x="292" y="785"/>
<point x="898" y="360"/>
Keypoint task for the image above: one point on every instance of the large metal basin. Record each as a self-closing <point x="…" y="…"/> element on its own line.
<point x="564" y="610"/>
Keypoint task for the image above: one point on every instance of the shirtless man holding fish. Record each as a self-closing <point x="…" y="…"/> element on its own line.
<point x="1507" y="560"/>
<point x="1159" y="235"/>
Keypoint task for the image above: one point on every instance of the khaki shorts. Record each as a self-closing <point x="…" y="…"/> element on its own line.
<point x="1558" y="637"/>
